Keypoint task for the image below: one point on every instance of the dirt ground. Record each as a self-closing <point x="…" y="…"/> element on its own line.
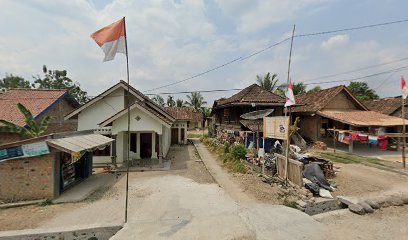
<point x="385" y="223"/>
<point x="184" y="163"/>
<point x="357" y="180"/>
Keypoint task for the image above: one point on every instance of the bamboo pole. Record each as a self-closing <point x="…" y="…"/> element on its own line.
<point x="404" y="141"/>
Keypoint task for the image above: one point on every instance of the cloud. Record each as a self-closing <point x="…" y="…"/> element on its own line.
<point x="335" y="41"/>
<point x="256" y="15"/>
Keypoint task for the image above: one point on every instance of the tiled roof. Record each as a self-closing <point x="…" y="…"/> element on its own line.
<point x="252" y="94"/>
<point x="385" y="105"/>
<point x="184" y="113"/>
<point x="35" y="100"/>
<point x="361" y="118"/>
<point x="315" y="101"/>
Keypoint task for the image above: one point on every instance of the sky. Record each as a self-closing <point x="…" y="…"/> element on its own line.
<point x="171" y="40"/>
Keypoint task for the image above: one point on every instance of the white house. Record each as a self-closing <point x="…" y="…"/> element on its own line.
<point x="150" y="134"/>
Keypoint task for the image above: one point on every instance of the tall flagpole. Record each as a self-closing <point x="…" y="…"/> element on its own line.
<point x="128" y="127"/>
<point x="403" y="130"/>
<point x="286" y="110"/>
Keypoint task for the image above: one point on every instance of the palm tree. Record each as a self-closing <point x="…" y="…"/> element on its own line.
<point x="195" y="101"/>
<point x="206" y="114"/>
<point x="32" y="128"/>
<point x="179" y="103"/>
<point x="268" y="82"/>
<point x="158" y="100"/>
<point x="170" y="101"/>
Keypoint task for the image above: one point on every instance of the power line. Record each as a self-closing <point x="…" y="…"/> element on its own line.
<point x="200" y="91"/>
<point x="220" y="66"/>
<point x="275" y="44"/>
<point x="352" y="28"/>
<point x="355" y="70"/>
<point x="358" y="78"/>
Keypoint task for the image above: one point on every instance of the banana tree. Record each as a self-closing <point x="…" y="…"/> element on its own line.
<point x="32" y="128"/>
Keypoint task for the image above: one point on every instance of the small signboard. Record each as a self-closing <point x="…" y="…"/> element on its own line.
<point x="26" y="150"/>
<point x="35" y="149"/>
<point x="276" y="127"/>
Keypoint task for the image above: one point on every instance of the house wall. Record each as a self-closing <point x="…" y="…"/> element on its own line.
<point x="145" y="124"/>
<point x="309" y="126"/>
<point x="166" y="140"/>
<point x="27" y="178"/>
<point x="101" y="110"/>
<point x="341" y="101"/>
<point x="181" y="125"/>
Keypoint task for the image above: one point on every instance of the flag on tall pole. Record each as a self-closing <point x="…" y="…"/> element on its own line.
<point x="112" y="39"/>
<point x="290" y="97"/>
<point x="404" y="88"/>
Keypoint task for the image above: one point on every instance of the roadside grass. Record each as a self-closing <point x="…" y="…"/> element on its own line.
<point x="350" y="158"/>
<point x="231" y="157"/>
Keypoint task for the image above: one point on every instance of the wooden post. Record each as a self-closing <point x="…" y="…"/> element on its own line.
<point x="404" y="141"/>
<point x="334" y="139"/>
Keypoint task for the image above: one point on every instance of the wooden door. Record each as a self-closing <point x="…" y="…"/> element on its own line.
<point x="174" y="136"/>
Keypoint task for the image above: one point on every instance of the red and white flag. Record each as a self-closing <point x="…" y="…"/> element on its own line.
<point x="404" y="88"/>
<point x="290" y="98"/>
<point x="112" y="39"/>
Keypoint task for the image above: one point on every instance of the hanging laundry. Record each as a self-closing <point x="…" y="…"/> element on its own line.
<point x="354" y="135"/>
<point x="346" y="139"/>
<point x="363" y="137"/>
<point x="341" y="136"/>
<point x="372" y="140"/>
<point x="382" y="142"/>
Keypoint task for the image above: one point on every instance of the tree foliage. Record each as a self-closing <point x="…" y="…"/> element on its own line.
<point x="32" y="128"/>
<point x="159" y="100"/>
<point x="362" y="91"/>
<point x="179" y="103"/>
<point x="57" y="79"/>
<point x="170" y="101"/>
<point x="11" y="81"/>
<point x="299" y="88"/>
<point x="195" y="101"/>
<point x="315" y="89"/>
<point x="268" y="82"/>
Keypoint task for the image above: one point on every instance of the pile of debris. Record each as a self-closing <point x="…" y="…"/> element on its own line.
<point x="370" y="205"/>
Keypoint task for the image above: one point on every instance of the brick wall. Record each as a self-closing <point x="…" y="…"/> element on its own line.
<point x="27" y="178"/>
<point x="9" y="137"/>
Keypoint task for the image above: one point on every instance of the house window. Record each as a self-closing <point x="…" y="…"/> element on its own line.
<point x="133" y="142"/>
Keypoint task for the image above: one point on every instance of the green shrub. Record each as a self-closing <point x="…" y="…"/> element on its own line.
<point x="240" y="167"/>
<point x="238" y="151"/>
<point x="227" y="146"/>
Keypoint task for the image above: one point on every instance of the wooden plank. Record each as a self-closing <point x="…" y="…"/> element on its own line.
<point x="295" y="170"/>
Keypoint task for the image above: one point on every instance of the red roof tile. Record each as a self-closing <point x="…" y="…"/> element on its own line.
<point x="386" y="105"/>
<point x="315" y="101"/>
<point x="35" y="100"/>
<point x="252" y="94"/>
<point x="184" y="113"/>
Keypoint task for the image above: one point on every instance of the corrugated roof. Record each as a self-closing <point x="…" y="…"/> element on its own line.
<point x="184" y="113"/>
<point x="253" y="125"/>
<point x="252" y="94"/>
<point x="35" y="100"/>
<point x="80" y="143"/>
<point x="386" y="105"/>
<point x="361" y="118"/>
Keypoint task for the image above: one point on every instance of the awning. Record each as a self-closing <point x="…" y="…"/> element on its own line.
<point x="76" y="144"/>
<point x="253" y="125"/>
<point x="361" y="118"/>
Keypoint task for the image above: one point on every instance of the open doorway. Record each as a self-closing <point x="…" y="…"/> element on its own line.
<point x="145" y="145"/>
